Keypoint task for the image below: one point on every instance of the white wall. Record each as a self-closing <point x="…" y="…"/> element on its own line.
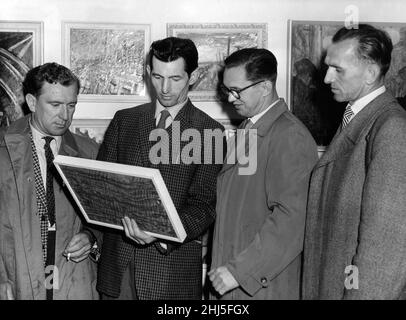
<point x="157" y="13"/>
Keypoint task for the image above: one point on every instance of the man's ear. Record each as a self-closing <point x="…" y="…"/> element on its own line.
<point x="373" y="73"/>
<point x="148" y="70"/>
<point x="193" y="77"/>
<point x="268" y="85"/>
<point x="31" y="101"/>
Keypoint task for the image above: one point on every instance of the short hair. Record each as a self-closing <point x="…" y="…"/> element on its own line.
<point x="373" y="44"/>
<point x="260" y="64"/>
<point x="172" y="48"/>
<point x="49" y="72"/>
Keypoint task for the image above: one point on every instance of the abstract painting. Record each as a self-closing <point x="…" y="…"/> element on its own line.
<point x="20" y="50"/>
<point x="310" y="99"/>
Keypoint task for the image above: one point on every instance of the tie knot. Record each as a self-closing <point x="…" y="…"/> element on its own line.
<point x="164" y="115"/>
<point x="48" y="140"/>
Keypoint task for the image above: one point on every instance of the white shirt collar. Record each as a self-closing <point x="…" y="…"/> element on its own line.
<point x="259" y="115"/>
<point x="37" y="136"/>
<point x="359" y="104"/>
<point x="173" y="111"/>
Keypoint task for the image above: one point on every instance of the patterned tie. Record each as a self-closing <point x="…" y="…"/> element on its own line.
<point x="50" y="180"/>
<point x="347" y="116"/>
<point x="164" y="115"/>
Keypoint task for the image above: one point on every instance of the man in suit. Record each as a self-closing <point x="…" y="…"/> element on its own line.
<point x="43" y="246"/>
<point x="135" y="265"/>
<point x="356" y="222"/>
<point x="258" y="236"/>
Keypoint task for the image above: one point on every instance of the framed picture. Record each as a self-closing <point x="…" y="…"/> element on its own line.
<point x="91" y="128"/>
<point x="109" y="59"/>
<point x="105" y="192"/>
<point x="21" y="46"/>
<point x="215" y="42"/>
<point x="308" y="97"/>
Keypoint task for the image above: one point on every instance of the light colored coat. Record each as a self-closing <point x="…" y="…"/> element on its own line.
<point x="260" y="217"/>
<point x="21" y="261"/>
<point x="357" y="209"/>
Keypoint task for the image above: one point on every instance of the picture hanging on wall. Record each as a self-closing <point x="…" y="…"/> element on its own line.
<point x="215" y="42"/>
<point x="90" y="128"/>
<point x="309" y="98"/>
<point x="109" y="59"/>
<point x="20" y="50"/>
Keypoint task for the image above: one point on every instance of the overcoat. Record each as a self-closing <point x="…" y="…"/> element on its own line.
<point x="260" y="220"/>
<point x="355" y="242"/>
<point x="175" y="272"/>
<point x="21" y="261"/>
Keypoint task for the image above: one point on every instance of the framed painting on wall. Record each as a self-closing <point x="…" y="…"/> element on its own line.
<point x="215" y="42"/>
<point x="109" y="59"/>
<point x="309" y="98"/>
<point x="90" y="128"/>
<point x="21" y="48"/>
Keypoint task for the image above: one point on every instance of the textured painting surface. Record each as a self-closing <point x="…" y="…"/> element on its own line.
<point x="16" y="58"/>
<point x="108" y="62"/>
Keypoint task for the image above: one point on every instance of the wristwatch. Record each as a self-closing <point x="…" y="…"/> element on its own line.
<point x="95" y="254"/>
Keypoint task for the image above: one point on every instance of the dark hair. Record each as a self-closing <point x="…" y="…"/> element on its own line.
<point x="373" y="44"/>
<point x="50" y="72"/>
<point x="260" y="64"/>
<point x="172" y="48"/>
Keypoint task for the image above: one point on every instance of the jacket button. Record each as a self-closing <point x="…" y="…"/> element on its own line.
<point x="29" y="179"/>
<point x="264" y="280"/>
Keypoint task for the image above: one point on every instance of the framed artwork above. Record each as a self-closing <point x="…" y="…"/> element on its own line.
<point x="21" y="46"/>
<point x="309" y="98"/>
<point x="109" y="59"/>
<point x="215" y="42"/>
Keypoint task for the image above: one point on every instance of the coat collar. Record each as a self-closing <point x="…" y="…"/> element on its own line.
<point x="345" y="140"/>
<point x="262" y="126"/>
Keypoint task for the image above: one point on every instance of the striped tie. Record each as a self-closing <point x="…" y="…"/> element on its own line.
<point x="347" y="116"/>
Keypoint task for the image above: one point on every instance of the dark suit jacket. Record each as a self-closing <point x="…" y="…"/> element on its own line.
<point x="356" y="213"/>
<point x="175" y="273"/>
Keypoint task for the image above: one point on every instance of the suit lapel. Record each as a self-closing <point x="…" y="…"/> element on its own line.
<point x="344" y="141"/>
<point x="145" y="125"/>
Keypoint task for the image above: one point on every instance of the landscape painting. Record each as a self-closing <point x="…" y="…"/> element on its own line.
<point x="109" y="59"/>
<point x="215" y="42"/>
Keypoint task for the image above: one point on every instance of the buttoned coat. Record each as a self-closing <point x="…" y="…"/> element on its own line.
<point x="260" y="220"/>
<point x="21" y="261"/>
<point x="175" y="273"/>
<point x="356" y="221"/>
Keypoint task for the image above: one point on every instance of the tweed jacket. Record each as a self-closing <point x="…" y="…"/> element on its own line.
<point x="21" y="261"/>
<point x="175" y="273"/>
<point x="260" y="220"/>
<point x="356" y="215"/>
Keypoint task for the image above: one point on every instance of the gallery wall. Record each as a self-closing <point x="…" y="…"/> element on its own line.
<point x="157" y="13"/>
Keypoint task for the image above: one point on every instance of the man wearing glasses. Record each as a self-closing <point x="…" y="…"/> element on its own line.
<point x="259" y="228"/>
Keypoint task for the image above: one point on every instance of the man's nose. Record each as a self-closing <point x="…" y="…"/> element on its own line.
<point x="165" y="86"/>
<point x="329" y="76"/>
<point x="231" y="97"/>
<point x="64" y="113"/>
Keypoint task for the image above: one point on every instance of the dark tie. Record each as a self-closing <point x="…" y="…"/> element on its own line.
<point x="51" y="237"/>
<point x="348" y="113"/>
<point x="164" y="115"/>
<point x="50" y="180"/>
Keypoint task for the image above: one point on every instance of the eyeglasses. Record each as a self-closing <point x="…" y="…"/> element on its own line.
<point x="236" y="92"/>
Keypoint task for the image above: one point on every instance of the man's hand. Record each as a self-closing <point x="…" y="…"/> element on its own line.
<point x="134" y="233"/>
<point x="6" y="292"/>
<point x="222" y="280"/>
<point x="79" y="247"/>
